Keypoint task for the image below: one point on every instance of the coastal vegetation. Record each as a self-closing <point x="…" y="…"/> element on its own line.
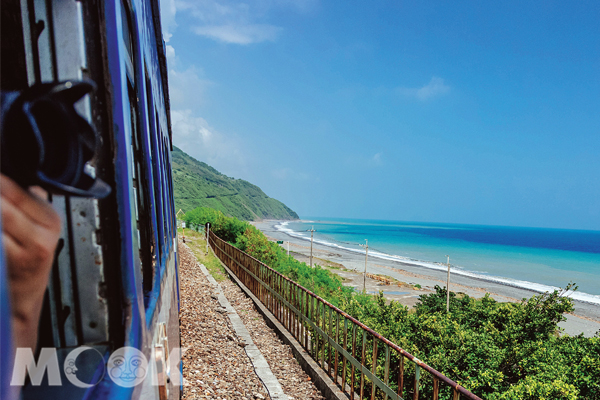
<point x="196" y="184"/>
<point x="499" y="351"/>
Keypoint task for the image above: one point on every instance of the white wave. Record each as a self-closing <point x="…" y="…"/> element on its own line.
<point x="537" y="287"/>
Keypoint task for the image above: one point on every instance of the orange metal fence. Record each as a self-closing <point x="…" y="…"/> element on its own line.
<point x="365" y="364"/>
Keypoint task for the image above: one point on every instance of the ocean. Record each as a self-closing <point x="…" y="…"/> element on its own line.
<point x="533" y="258"/>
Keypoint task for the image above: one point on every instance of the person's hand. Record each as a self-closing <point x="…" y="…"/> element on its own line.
<point x="30" y="232"/>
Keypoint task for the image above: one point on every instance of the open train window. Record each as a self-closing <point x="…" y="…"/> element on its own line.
<point x="138" y="155"/>
<point x="165" y="174"/>
<point x="169" y="181"/>
<point x="167" y="210"/>
<point x="156" y="163"/>
<point x="163" y="180"/>
<point x="127" y="31"/>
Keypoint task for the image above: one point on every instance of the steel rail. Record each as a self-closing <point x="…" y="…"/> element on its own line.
<point x="291" y="315"/>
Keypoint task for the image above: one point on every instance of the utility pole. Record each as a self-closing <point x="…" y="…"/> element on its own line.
<point x="448" y="287"/>
<point x="288" y="247"/>
<point x="207" y="235"/>
<point x="366" y="246"/>
<point x="311" y="244"/>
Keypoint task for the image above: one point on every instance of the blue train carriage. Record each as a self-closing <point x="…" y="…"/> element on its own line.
<point x="112" y="304"/>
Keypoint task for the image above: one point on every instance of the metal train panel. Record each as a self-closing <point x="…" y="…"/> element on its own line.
<point x="115" y="281"/>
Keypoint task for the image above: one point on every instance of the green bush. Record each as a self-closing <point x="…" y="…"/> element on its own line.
<point x="497" y="350"/>
<point x="227" y="228"/>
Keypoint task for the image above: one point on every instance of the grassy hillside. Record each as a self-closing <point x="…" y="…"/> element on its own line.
<point x="196" y="184"/>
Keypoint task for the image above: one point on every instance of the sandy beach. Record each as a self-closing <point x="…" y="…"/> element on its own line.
<point x="350" y="265"/>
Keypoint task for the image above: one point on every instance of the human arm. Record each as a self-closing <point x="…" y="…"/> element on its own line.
<point x="30" y="232"/>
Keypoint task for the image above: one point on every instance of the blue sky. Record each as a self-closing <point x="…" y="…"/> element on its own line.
<point x="465" y="112"/>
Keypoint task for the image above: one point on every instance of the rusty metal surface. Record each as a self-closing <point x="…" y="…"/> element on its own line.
<point x="310" y="319"/>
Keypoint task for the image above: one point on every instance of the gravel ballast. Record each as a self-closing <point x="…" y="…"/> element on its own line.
<point x="215" y="363"/>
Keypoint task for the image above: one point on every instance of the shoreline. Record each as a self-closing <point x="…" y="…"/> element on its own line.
<point x="585" y="319"/>
<point x="527" y="285"/>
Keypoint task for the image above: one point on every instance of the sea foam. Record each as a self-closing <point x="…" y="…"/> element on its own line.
<point x="536" y="287"/>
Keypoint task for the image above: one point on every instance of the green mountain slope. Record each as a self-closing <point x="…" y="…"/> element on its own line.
<point x="196" y="184"/>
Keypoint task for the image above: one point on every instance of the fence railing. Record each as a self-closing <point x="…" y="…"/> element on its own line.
<point x="362" y="362"/>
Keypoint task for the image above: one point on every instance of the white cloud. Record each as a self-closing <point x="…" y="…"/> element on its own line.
<point x="229" y="21"/>
<point x="170" y="54"/>
<point x="168" y="10"/>
<point x="232" y="21"/>
<point x="210" y="11"/>
<point x="435" y="88"/>
<point x="187" y="88"/>
<point x="300" y="5"/>
<point x="239" y="34"/>
<point x="197" y="138"/>
<point x="376" y="159"/>
<point x="192" y="133"/>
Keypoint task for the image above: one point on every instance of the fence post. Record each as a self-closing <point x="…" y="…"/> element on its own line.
<point x="363" y="361"/>
<point x="375" y="348"/>
<point x="354" y="356"/>
<point x="337" y="341"/>
<point x="386" y="376"/>
<point x="417" y="379"/>
<point x="329" y="346"/>
<point x="401" y="375"/>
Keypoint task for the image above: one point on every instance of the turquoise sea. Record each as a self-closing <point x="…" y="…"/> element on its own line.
<point x="533" y="258"/>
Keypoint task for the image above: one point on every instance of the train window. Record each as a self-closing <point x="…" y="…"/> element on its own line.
<point x="126" y="26"/>
<point x="171" y="210"/>
<point x="138" y="155"/>
<point x="162" y="180"/>
<point x="165" y="190"/>
<point x="140" y="188"/>
<point x="156" y="164"/>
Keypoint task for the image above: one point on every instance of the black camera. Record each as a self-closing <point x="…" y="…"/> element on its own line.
<point x="45" y="142"/>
